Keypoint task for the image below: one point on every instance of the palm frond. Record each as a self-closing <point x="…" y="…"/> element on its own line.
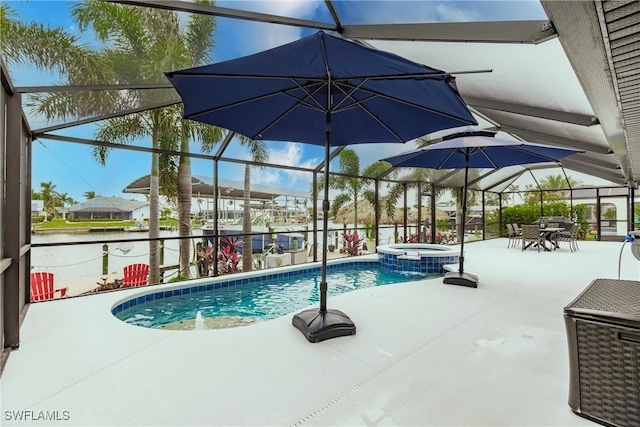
<point x="338" y="202"/>
<point x="199" y="38"/>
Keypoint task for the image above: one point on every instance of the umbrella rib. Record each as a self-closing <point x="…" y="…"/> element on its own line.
<point x="414" y="105"/>
<point x="264" y="96"/>
<point x="233" y="104"/>
<point x="551" y="159"/>
<point x="451" y="153"/>
<point x="425" y="75"/>
<point x="347" y="95"/>
<point x="247" y="76"/>
<point x="309" y="94"/>
<point x="482" y="150"/>
<point x="356" y="103"/>
<point x="303" y="101"/>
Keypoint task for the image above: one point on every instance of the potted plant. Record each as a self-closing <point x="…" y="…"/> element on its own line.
<point x="332" y="246"/>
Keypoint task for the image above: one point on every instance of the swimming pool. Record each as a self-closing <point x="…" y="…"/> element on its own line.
<point x="254" y="298"/>
<point x="417" y="257"/>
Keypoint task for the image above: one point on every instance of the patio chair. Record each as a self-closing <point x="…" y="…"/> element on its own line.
<point x="42" y="287"/>
<point x="570" y="237"/>
<point x="518" y="231"/>
<point x="512" y="236"/>
<point x="135" y="275"/>
<point x="531" y="236"/>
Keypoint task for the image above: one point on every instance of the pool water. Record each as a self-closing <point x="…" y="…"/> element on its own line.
<point x="265" y="299"/>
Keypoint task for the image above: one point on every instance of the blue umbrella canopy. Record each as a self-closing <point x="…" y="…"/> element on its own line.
<point x="286" y="93"/>
<point x="476" y="149"/>
<point x="479" y="149"/>
<point x="326" y="91"/>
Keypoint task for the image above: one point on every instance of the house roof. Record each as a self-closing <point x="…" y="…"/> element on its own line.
<point x="202" y="186"/>
<point x="107" y="204"/>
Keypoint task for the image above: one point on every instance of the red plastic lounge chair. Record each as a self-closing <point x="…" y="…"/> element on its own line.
<point x="42" y="288"/>
<point x="136" y="275"/>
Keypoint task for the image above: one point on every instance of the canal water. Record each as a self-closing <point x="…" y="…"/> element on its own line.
<point x="72" y="262"/>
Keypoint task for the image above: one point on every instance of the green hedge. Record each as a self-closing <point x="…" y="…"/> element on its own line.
<point x="530" y="212"/>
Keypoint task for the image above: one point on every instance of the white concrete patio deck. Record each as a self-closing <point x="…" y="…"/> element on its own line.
<point x="425" y="353"/>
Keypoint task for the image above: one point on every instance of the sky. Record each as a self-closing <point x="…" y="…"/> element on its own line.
<point x="74" y="171"/>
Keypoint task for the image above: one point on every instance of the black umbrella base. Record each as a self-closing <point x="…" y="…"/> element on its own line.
<point x="461" y="279"/>
<point x="318" y="326"/>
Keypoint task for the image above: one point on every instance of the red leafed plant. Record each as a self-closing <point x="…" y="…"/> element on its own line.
<point x="206" y="262"/>
<point x="352" y="244"/>
<point x="228" y="256"/>
<point x="414" y="238"/>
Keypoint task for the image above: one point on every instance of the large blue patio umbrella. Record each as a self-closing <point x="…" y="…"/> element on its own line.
<point x="326" y="91"/>
<point x="476" y="149"/>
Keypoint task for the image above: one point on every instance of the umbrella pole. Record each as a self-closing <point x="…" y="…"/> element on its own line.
<point x="460" y="277"/>
<point x="325" y="227"/>
<point x="464" y="211"/>
<point x="319" y="325"/>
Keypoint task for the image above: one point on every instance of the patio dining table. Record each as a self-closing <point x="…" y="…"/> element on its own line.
<point x="547" y="236"/>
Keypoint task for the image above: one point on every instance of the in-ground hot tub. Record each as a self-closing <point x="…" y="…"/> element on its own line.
<point x="418" y="257"/>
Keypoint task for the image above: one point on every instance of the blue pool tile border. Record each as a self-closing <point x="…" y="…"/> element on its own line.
<point x="426" y="265"/>
<point x="236" y="282"/>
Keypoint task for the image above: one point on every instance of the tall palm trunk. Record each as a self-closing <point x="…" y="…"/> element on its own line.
<point x="459" y="223"/>
<point x="154" y="209"/>
<point x="247" y="248"/>
<point x="184" y="207"/>
<point x="355" y="211"/>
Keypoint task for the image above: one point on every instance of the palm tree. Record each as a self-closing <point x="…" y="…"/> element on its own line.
<point x="259" y="154"/>
<point x="154" y="42"/>
<point x="64" y="198"/>
<point x="53" y="49"/>
<point x="354" y="186"/>
<point x="48" y="194"/>
<point x="179" y="190"/>
<point x="558" y="182"/>
<point x="415" y="176"/>
<point x="511" y="195"/>
<point x="552" y="182"/>
<point x="89" y="195"/>
<point x="147" y="43"/>
<point x="456" y="192"/>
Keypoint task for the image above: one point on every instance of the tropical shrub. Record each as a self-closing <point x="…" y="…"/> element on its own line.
<point x="228" y="256"/>
<point x="352" y="244"/>
<point x="556" y="209"/>
<point x="530" y="212"/>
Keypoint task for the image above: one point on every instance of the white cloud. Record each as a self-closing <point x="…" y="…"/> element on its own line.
<point x="291" y="154"/>
<point x="378" y="12"/>
<point x="254" y="36"/>
<point x="447" y="13"/>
